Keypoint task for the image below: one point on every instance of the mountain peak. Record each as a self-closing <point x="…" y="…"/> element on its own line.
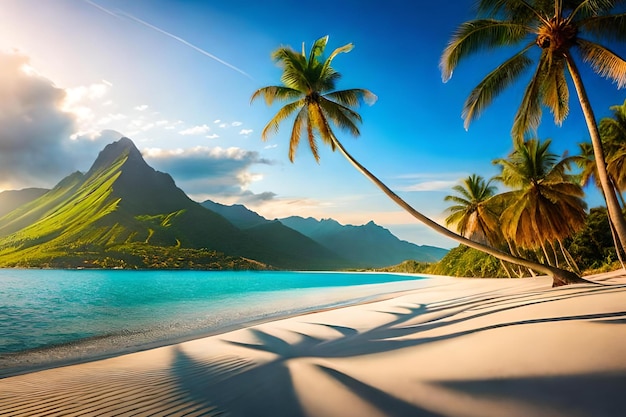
<point x="115" y="150"/>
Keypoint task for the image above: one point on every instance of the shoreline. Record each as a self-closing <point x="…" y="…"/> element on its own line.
<point x="87" y="350"/>
<point x="456" y="347"/>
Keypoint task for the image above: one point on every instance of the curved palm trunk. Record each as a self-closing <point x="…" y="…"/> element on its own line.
<point x="559" y="276"/>
<point x="615" y="214"/>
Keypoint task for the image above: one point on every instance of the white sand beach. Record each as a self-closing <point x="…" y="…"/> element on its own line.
<point x="457" y="347"/>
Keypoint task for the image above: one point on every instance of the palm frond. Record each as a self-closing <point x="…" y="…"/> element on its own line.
<point x="555" y="91"/>
<point x="477" y="35"/>
<point x="300" y="122"/>
<point x="310" y="129"/>
<point x="320" y="123"/>
<point x="317" y="49"/>
<point x="275" y="92"/>
<point x="294" y="68"/>
<point x="456" y="218"/>
<point x="274" y="123"/>
<point x="493" y="84"/>
<point x="463" y="202"/>
<point x="609" y="27"/>
<point x="342" y="49"/>
<point x="341" y="116"/>
<point x="353" y="97"/>
<point x="604" y="61"/>
<point x="515" y="10"/>
<point x="590" y="9"/>
<point x="528" y="115"/>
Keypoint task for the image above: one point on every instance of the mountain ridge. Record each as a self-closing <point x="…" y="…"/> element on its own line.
<point x="124" y="213"/>
<point x="365" y="246"/>
<point x="122" y="203"/>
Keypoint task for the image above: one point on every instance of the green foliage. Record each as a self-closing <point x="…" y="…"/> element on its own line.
<point x="133" y="256"/>
<point x="593" y="246"/>
<point x="408" y="267"/>
<point x="463" y="261"/>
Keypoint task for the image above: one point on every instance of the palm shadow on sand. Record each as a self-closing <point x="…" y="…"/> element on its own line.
<point x="238" y="387"/>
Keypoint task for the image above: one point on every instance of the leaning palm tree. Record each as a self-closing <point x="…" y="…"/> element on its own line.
<point x="309" y="86"/>
<point x="558" y="28"/>
<point x="546" y="203"/>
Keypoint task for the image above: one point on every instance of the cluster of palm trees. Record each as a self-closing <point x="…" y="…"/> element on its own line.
<point x="557" y="27"/>
<point x="543" y="207"/>
<point x="545" y="203"/>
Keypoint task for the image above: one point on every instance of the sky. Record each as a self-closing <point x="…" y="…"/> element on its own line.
<point x="176" y="77"/>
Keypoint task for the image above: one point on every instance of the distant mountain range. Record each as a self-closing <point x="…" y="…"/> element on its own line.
<point x="366" y="246"/>
<point x="123" y="213"/>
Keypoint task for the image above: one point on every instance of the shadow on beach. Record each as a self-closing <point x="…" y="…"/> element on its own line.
<point x="238" y="387"/>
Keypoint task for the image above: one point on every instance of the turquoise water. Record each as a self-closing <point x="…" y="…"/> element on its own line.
<point x="45" y="308"/>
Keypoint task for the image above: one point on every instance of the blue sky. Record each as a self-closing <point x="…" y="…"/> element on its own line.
<point x="176" y="77"/>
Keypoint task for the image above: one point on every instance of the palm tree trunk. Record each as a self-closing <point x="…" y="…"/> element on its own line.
<point x="505" y="267"/>
<point x="612" y="204"/>
<point x="571" y="262"/>
<point x="618" y="250"/>
<point x="545" y="253"/>
<point x="515" y="252"/>
<point x="556" y="255"/>
<point x="559" y="276"/>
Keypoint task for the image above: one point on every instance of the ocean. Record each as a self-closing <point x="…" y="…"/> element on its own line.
<point x="64" y="313"/>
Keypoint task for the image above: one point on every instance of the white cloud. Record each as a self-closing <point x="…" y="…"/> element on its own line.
<point x="217" y="121"/>
<point x="204" y="170"/>
<point x="109" y="118"/>
<point x="245" y="132"/>
<point x="141" y="107"/>
<point x="213" y="136"/>
<point x="429" y="186"/>
<point x="271" y="146"/>
<point x="195" y="130"/>
<point x="236" y="124"/>
<point x="80" y="102"/>
<point x="46" y="132"/>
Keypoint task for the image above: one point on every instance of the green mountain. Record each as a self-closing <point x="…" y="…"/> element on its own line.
<point x="12" y="199"/>
<point x="237" y="214"/>
<point x="124" y="213"/>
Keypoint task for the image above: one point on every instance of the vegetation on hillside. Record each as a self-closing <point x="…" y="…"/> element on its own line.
<point x="136" y="256"/>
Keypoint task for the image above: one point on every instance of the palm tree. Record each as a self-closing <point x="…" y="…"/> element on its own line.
<point x="309" y="86"/>
<point x="546" y="204"/>
<point x="613" y="134"/>
<point x="474" y="213"/>
<point x="558" y="28"/>
<point x="587" y="163"/>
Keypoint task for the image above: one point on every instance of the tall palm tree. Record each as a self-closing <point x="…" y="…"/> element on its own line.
<point x="309" y="86"/>
<point x="587" y="163"/>
<point x="546" y="204"/>
<point x="474" y="214"/>
<point x="613" y="134"/>
<point x="557" y="28"/>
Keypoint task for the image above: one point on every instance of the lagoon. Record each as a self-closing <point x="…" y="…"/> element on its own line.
<point x="58" y="314"/>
